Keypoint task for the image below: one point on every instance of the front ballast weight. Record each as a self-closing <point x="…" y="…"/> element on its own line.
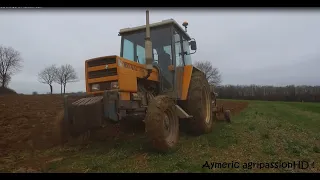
<point x="82" y="115"/>
<point x="110" y="104"/>
<point x="91" y="112"/>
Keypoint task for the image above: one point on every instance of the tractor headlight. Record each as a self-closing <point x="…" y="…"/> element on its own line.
<point x="114" y="85"/>
<point x="95" y="87"/>
<point x="120" y="63"/>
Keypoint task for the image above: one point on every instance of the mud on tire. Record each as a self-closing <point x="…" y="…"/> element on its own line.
<point x="199" y="105"/>
<point x="162" y="123"/>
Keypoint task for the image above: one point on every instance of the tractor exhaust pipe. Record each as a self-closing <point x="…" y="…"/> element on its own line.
<point x="148" y="47"/>
<point x="148" y="44"/>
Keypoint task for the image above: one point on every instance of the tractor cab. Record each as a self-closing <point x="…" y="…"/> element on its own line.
<point x="170" y="50"/>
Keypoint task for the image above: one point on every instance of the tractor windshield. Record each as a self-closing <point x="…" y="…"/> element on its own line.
<point x="132" y="45"/>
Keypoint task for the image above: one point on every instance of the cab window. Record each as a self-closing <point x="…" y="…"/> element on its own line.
<point x="177" y="40"/>
<point x="167" y="49"/>
<point x="132" y="47"/>
<point x="140" y="55"/>
<point x="186" y="49"/>
<point x="155" y="55"/>
<point x="128" y="50"/>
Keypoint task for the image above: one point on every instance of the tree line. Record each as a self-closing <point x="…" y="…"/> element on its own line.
<point x="270" y="93"/>
<point x="255" y="92"/>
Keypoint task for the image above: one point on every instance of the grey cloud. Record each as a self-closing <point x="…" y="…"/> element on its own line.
<point x="264" y="47"/>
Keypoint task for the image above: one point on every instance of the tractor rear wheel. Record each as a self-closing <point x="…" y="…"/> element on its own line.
<point x="162" y="123"/>
<point x="199" y="105"/>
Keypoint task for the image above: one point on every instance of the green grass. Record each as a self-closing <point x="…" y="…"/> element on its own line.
<point x="263" y="133"/>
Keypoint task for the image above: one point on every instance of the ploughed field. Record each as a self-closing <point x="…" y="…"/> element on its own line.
<point x="260" y="132"/>
<point x="28" y="122"/>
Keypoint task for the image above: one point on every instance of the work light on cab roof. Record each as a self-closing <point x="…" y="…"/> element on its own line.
<point x="185" y="25"/>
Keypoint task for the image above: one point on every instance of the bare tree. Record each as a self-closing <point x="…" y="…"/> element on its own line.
<point x="47" y="76"/>
<point x="59" y="77"/>
<point x="10" y="63"/>
<point x="64" y="75"/>
<point x="212" y="74"/>
<point x="6" y="81"/>
<point x="70" y="75"/>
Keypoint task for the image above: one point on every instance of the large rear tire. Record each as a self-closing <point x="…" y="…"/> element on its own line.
<point x="162" y="123"/>
<point x="199" y="105"/>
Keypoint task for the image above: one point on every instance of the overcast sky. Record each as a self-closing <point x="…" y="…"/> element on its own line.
<point x="248" y="46"/>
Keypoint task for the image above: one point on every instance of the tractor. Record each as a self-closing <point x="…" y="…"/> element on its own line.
<point x="153" y="79"/>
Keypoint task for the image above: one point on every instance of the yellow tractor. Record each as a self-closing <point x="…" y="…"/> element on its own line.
<point x="153" y="78"/>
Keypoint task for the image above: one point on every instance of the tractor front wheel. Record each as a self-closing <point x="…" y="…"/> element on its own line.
<point x="162" y="123"/>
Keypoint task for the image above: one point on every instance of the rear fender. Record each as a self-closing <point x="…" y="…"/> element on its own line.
<point x="187" y="74"/>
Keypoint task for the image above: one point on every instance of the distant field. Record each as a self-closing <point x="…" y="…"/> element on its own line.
<point x="262" y="133"/>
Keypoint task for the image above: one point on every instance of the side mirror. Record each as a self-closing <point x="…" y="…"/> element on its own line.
<point x="193" y="45"/>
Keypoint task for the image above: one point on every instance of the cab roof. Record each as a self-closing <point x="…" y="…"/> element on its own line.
<point x="153" y="25"/>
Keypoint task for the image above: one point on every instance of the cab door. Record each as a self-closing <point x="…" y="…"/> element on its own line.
<point x="179" y="64"/>
<point x="167" y="76"/>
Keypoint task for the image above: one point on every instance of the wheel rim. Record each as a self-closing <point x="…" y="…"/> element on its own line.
<point x="169" y="125"/>
<point x="166" y="122"/>
<point x="206" y="104"/>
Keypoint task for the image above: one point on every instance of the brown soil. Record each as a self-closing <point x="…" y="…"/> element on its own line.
<point x="4" y="90"/>
<point x="234" y="106"/>
<point x="27" y="121"/>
